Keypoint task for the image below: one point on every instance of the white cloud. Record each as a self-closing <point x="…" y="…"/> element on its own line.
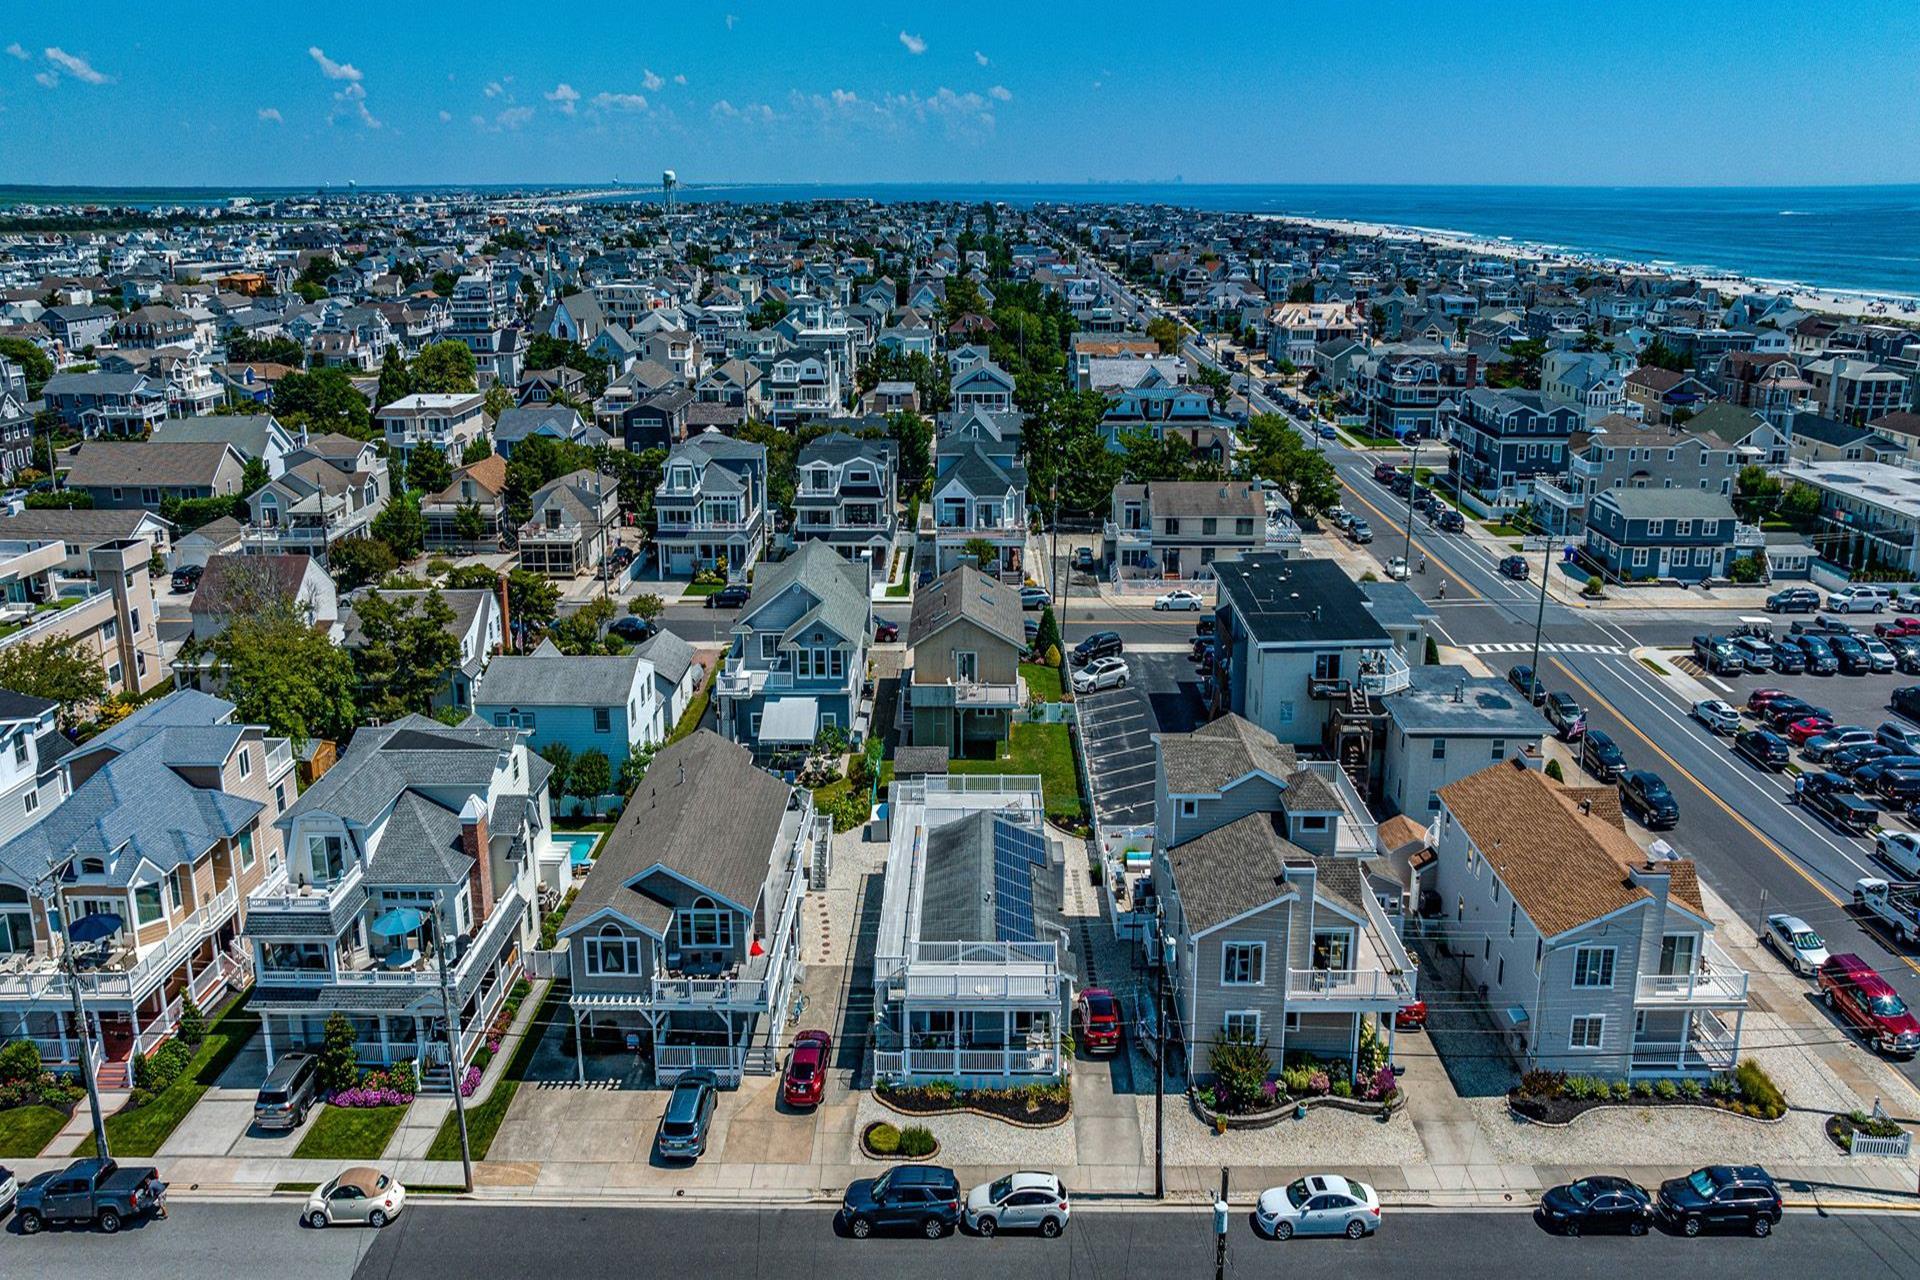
<point x="351" y="101"/>
<point x="77" y="67"/>
<point x="1000" y="93"/>
<point x="446" y="117"/>
<point x="564" y="96"/>
<point x="329" y="68"/>
<point x="680" y="79"/>
<point x="47" y="78"/>
<point x="752" y="113"/>
<point x="653" y="82"/>
<point x="915" y="44"/>
<point x="513" y="117"/>
<point x="14" y="50"/>
<point x="980" y="57"/>
<point x="493" y="89"/>
<point x="271" y="114"/>
<point x="620" y="101"/>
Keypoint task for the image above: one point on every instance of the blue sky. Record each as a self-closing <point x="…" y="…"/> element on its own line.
<point x="1616" y="93"/>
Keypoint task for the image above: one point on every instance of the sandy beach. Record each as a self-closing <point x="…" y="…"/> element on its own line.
<point x="1853" y="304"/>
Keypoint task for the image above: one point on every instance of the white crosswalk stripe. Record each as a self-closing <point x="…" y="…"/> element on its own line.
<point x="1526" y="646"/>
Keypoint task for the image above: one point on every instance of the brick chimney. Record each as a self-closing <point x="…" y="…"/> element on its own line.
<point x="1473" y="370"/>
<point x="506" y="619"/>
<point x="473" y="843"/>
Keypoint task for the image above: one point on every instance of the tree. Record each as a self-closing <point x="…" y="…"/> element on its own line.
<point x="1215" y="380"/>
<point x="478" y="449"/>
<point x="1756" y="491"/>
<point x="769" y="313"/>
<point x="244" y="349"/>
<point x="428" y="470"/>
<point x="254" y="477"/>
<point x="57" y="669"/>
<point x="444" y="367"/>
<point x="1165" y="332"/>
<point x="400" y="525"/>
<point x="339" y="1058"/>
<point x="532" y="601"/>
<point x="1800" y="503"/>
<point x="536" y="461"/>
<point x="357" y="561"/>
<point x="591" y="777"/>
<point x="544" y="352"/>
<point x="580" y="631"/>
<point x="407" y="649"/>
<point x="444" y="283"/>
<point x="1745" y="569"/>
<point x="634" y="768"/>
<point x="647" y="607"/>
<point x="396" y="382"/>
<point x="323" y="400"/>
<point x="1279" y="453"/>
<point x="1554" y="771"/>
<point x="914" y="435"/>
<point x="469" y="523"/>
<point x="1048" y="635"/>
<point x="1658" y="355"/>
<point x="499" y="399"/>
<point x="35" y="364"/>
<point x="188" y="514"/>
<point x="279" y="670"/>
<point x="560" y="756"/>
<point x="983" y="553"/>
<point x="1146" y="459"/>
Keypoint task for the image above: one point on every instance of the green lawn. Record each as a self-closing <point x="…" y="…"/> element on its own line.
<point x="483" y="1121"/>
<point x="697" y="709"/>
<point x="1043" y="681"/>
<point x="26" y="1131"/>
<point x="139" y="1132"/>
<point x="1045" y="749"/>
<point x="702" y="588"/>
<point x="899" y="590"/>
<point x="350" y="1133"/>
<point x="1501" y="529"/>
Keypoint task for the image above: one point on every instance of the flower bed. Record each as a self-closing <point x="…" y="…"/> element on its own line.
<point x="1841" y="1129"/>
<point x="1034" y="1106"/>
<point x="1553" y="1097"/>
<point x="1247" y="1093"/>
<point x="882" y="1141"/>
<point x="393" y="1087"/>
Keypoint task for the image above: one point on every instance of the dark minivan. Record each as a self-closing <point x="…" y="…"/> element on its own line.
<point x="909" y="1197"/>
<point x="288" y="1092"/>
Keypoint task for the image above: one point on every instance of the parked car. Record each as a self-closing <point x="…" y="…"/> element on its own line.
<point x="1901" y="737"/>
<point x="1320" y="1204"/>
<point x="1784" y="711"/>
<point x="1803" y="949"/>
<point x="1101" y="644"/>
<point x="1717" y="655"/>
<point x="9" y="1190"/>
<point x="1514" y="567"/>
<point x="1765" y="748"/>
<point x="1411" y="1016"/>
<point x="1717" y="714"/>
<point x="1738" y="1196"/>
<point x="885" y="632"/>
<point x="1018" y="1202"/>
<point x="1866" y="1002"/>
<point x="1600" y="757"/>
<point x="1521" y="677"/>
<point x="1836" y="738"/>
<point x="1644" y="794"/>
<point x="92" y="1190"/>
<point x="1820" y="659"/>
<point x="1181" y="601"/>
<point x="805" y="1081"/>
<point x="1096" y="1020"/>
<point x="187" y="577"/>
<point x="731" y="596"/>
<point x="1852" y="656"/>
<point x="1565" y="715"/>
<point x="1360" y="531"/>
<point x="288" y="1092"/>
<point x="1879" y="658"/>
<point x="1085" y="559"/>
<point x="1906" y="701"/>
<point x="1599" y="1204"/>
<point x="1906" y="653"/>
<point x="631" y="629"/>
<point x="1451" y="521"/>
<point x="1760" y="699"/>
<point x="1788" y="659"/>
<point x="1849" y="759"/>
<point x="1897" y="628"/>
<point x="1898" y="787"/>
<point x="1755" y="655"/>
<point x="1033" y="597"/>
<point x="1794" y="600"/>
<point x="1899" y="850"/>
<point x="685" y="1123"/>
<point x="1397" y="569"/>
<point x="1101" y="673"/>
<point x="1859" y="599"/>
<point x="910" y="1197"/>
<point x="1866" y="778"/>
<point x="1807" y="728"/>
<point x="360" y="1194"/>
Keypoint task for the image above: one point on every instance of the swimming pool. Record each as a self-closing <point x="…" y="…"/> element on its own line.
<point x="578" y="844"/>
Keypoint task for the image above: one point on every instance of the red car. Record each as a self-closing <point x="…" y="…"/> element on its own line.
<point x="1097" y="1015"/>
<point x="1812" y="727"/>
<point x="1411" y="1017"/>
<point x="886" y="632"/>
<point x="1760" y="699"/>
<point x="1865" y="1001"/>
<point x="806" y="1079"/>
<point x="1898" y="627"/>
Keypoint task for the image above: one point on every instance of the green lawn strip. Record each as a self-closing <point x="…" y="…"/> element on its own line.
<point x="1044" y="749"/>
<point x="483" y="1121"/>
<point x="301" y="1188"/>
<point x="140" y="1131"/>
<point x="1043" y="682"/>
<point x="350" y="1133"/>
<point x="900" y="589"/>
<point x="702" y="588"/>
<point x="697" y="709"/>
<point x="26" y="1131"/>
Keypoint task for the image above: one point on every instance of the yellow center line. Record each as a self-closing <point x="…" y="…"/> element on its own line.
<point x="1401" y="530"/>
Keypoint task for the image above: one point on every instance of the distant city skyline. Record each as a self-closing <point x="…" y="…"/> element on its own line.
<point x="1713" y="93"/>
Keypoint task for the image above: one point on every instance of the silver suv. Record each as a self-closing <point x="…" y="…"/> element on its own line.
<point x="288" y="1092"/>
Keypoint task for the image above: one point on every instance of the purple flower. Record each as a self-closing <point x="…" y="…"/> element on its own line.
<point x="470" y="1082"/>
<point x="1271" y="1088"/>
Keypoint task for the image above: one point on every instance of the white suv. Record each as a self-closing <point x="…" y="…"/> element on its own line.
<point x="1859" y="599"/>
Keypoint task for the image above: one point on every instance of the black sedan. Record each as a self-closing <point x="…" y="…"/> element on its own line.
<point x="1644" y="794"/>
<point x="1597" y="1204"/>
<point x="729" y="597"/>
<point x="1767" y="749"/>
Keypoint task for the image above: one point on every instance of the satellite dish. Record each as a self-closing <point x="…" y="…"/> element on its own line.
<point x="94" y="928"/>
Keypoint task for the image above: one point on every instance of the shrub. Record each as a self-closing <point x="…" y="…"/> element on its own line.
<point x="1373" y="1054"/>
<point x="1758" y="1089"/>
<point x="1343" y="1088"/>
<point x="339" y="1059"/>
<point x="1594" y="585"/>
<point x="1666" y="1090"/>
<point x="19" y="1061"/>
<point x="1383" y="1085"/>
<point x="1318" y="1083"/>
<point x="1543" y="1084"/>
<point x="916" y="1140"/>
<point x="1578" y="1088"/>
<point x="1294" y="1079"/>
<point x="1621" y="1090"/>
<point x="153" y="1072"/>
<point x="1643" y="1088"/>
<point x="883" y="1139"/>
<point x="1554" y="771"/>
<point x="1240" y="1067"/>
<point x="193" y="1024"/>
<point x="1691" y="1090"/>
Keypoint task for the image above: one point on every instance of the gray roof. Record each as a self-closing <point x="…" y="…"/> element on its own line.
<point x="837" y="585"/>
<point x="383" y="761"/>
<point x="101" y="463"/>
<point x="517" y="424"/>
<point x="420" y="845"/>
<point x="1396" y="604"/>
<point x="247" y="432"/>
<point x="965" y="592"/>
<point x="1303" y="601"/>
<point x="1662" y="504"/>
<point x="85" y="526"/>
<point x="959" y="887"/>
<point x="669" y="654"/>
<point x="558" y="680"/>
<point x="1204" y="761"/>
<point x="705" y="812"/>
<point x="1447" y="700"/>
<point x="1231" y="870"/>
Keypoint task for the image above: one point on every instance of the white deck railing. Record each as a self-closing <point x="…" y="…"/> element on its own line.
<point x="1714" y="980"/>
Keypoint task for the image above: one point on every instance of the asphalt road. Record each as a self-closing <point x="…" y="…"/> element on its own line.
<point x="462" y="1242"/>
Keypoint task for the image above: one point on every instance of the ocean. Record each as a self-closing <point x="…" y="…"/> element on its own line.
<point x="1854" y="238"/>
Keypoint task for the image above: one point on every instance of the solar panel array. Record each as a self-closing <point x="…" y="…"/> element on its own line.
<point x="1018" y="852"/>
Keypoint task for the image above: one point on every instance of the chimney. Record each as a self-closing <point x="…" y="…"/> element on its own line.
<point x="473" y="843"/>
<point x="506" y="618"/>
<point x="1473" y="370"/>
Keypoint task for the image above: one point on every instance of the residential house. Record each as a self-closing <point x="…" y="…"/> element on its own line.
<point x="33" y="777"/>
<point x="169" y="826"/>
<point x="677" y="674"/>
<point x="1677" y="534"/>
<point x="146" y="473"/>
<point x="1818" y="439"/>
<point x="1767" y="382"/>
<point x="1171" y="530"/>
<point x="255" y="435"/>
<point x="442" y="825"/>
<point x="469" y="515"/>
<point x="1412" y="393"/>
<point x="802" y="386"/>
<point x="711" y="506"/>
<point x="571" y="529"/>
<point x="107" y="404"/>
<point x="447" y="422"/>
<point x="555" y="422"/>
<point x="797" y="661"/>
<point x="847" y="494"/>
<point x="1664" y="395"/>
<point x="538" y="387"/>
<point x="1752" y="438"/>
<point x="231" y="584"/>
<point x="333" y="488"/>
<point x="1296" y="328"/>
<point x="979" y="494"/>
<point x="475" y="626"/>
<point x="1624" y="453"/>
<point x="1504" y="439"/>
<point x="582" y="702"/>
<point x="109" y="614"/>
<point x="684" y="940"/>
<point x="1594" y="957"/>
<point x="1589" y="381"/>
<point x="1446" y="724"/>
<point x="962" y="681"/>
<point x="985" y="386"/>
<point x="1856" y="390"/>
<point x="80" y="529"/>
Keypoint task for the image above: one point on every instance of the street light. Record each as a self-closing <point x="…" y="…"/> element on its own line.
<point x="97" y="927"/>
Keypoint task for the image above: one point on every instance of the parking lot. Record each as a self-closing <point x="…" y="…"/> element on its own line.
<point x="1162" y="695"/>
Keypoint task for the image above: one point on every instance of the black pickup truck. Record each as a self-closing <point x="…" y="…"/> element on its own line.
<point x="92" y="1191"/>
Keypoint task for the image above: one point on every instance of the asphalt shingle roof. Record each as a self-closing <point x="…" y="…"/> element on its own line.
<point x="965" y="592"/>
<point x="1233" y="869"/>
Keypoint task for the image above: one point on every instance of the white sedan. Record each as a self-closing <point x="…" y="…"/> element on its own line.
<point x="1179" y="601"/>
<point x="361" y="1194"/>
<point x="1101" y="673"/>
<point x="1397" y="568"/>
<point x="1320" y="1204"/>
<point x="1718" y="715"/>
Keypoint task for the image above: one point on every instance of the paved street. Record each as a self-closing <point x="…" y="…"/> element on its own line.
<point x="460" y="1242"/>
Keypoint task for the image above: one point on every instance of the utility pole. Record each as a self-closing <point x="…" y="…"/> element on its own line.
<point x="1413" y="487"/>
<point x="1220" y="1229"/>
<point x="454" y="1065"/>
<point x="1540" y="617"/>
<point x="47" y="889"/>
<point x="1160" y="1069"/>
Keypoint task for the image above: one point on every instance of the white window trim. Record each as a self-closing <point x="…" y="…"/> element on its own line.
<point x="1259" y="949"/>
<point x="1226" y="1022"/>
<point x="1600" y="1037"/>
<point x="1610" y="966"/>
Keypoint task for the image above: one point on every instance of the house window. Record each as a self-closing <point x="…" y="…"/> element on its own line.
<point x="769" y="645"/>
<point x="147" y="907"/>
<point x="280" y="798"/>
<point x="1683" y="528"/>
<point x="1439" y="748"/>
<point x="1587" y="1031"/>
<point x="32" y="800"/>
<point x="1243" y="964"/>
<point x="1314" y="822"/>
<point x="1208" y="526"/>
<point x="20" y="749"/>
<point x="514" y="719"/>
<point x="1499" y="751"/>
<point x="706" y="925"/>
<point x="1326" y="666"/>
<point x="603" y="719"/>
<point x="753" y="725"/>
<point x="246" y="762"/>
<point x="1241" y="1024"/>
<point x="1593" y="967"/>
<point x="246" y="851"/>
<point x="612" y="952"/>
<point x="1189" y="808"/>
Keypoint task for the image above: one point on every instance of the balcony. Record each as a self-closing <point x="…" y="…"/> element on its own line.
<point x="1715" y="982"/>
<point x="1748" y="535"/>
<point x="1003" y="973"/>
<point x="124" y="973"/>
<point x="971" y="694"/>
<point x="279" y="757"/>
<point x="1034" y="1060"/>
<point x="1383" y="673"/>
<point x="1348" y="986"/>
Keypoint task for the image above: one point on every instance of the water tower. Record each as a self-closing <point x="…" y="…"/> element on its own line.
<point x="668" y="183"/>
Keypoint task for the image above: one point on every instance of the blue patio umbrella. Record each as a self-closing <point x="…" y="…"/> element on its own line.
<point x="398" y="922"/>
<point x="94" y="928"/>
